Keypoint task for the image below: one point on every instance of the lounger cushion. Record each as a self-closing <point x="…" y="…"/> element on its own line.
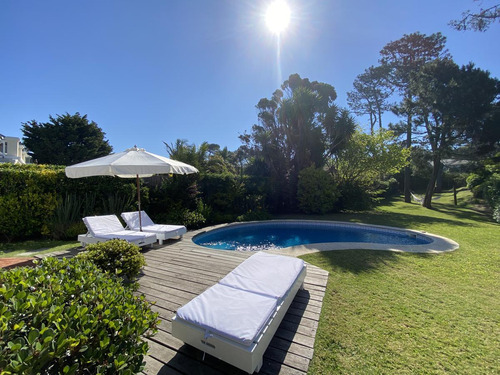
<point x="164" y="228"/>
<point x="102" y="225"/>
<point x="266" y="274"/>
<point x="132" y="219"/>
<point x="232" y="313"/>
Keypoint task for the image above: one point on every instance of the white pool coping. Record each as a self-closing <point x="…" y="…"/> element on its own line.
<point x="438" y="245"/>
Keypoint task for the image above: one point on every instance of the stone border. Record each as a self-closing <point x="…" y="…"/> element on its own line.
<point x="439" y="244"/>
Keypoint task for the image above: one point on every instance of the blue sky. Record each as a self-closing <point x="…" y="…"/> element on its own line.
<point x="153" y="71"/>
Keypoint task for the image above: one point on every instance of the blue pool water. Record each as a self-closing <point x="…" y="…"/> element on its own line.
<point x="261" y="236"/>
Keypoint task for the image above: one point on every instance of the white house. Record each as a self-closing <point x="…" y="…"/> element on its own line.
<point x="13" y="151"/>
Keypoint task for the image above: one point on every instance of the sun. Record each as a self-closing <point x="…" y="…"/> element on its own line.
<point x="278" y="16"/>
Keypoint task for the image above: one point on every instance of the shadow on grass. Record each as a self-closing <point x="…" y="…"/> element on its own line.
<point x="353" y="261"/>
<point x="407" y="220"/>
<point x="359" y="261"/>
<point x="461" y="213"/>
<point x="400" y="220"/>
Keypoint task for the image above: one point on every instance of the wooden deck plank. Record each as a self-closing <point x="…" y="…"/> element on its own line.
<point x="180" y="270"/>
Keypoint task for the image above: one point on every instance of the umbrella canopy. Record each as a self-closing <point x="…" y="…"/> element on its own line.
<point x="132" y="163"/>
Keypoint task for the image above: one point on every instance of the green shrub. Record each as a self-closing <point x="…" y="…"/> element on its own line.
<point x="68" y="317"/>
<point x="317" y="192"/>
<point x="474" y="181"/>
<point x="116" y="257"/>
<point x="492" y="189"/>
<point x="254" y="216"/>
<point x="224" y="192"/>
<point x="177" y="214"/>
<point x="485" y="184"/>
<point x="66" y="215"/>
<point x="191" y="219"/>
<point x="117" y="203"/>
<point x="354" y="197"/>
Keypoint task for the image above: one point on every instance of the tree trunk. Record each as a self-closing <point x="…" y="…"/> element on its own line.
<point x="407" y="188"/>
<point x="439" y="181"/>
<point x="455" y="194"/>
<point x="427" y="202"/>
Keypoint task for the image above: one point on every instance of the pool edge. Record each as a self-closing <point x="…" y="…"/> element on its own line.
<point x="439" y="245"/>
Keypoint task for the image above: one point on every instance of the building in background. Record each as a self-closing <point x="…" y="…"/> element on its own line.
<point x="13" y="151"/>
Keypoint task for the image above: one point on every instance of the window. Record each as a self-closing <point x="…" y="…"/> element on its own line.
<point x="3" y="147"/>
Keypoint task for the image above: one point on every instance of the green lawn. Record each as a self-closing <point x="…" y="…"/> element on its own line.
<point x="391" y="313"/>
<point x="33" y="247"/>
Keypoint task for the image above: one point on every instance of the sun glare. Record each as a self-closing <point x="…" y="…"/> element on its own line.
<point x="278" y="16"/>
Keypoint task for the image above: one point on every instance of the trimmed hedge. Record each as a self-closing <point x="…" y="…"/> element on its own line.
<point x="68" y="317"/>
<point x="30" y="196"/>
<point x="27" y="199"/>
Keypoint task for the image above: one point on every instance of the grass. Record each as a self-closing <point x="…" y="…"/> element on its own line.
<point x="8" y="250"/>
<point x="387" y="313"/>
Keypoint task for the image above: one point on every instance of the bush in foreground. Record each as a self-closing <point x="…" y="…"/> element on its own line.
<point x="116" y="257"/>
<point x="68" y="317"/>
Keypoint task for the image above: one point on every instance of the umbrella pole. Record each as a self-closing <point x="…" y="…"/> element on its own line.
<point x="139" y="202"/>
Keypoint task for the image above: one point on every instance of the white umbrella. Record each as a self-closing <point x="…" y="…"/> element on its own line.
<point x="131" y="163"/>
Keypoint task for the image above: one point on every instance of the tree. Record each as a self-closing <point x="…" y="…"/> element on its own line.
<point x="368" y="157"/>
<point x="370" y="94"/>
<point x="208" y="157"/>
<point x="453" y="104"/>
<point x="182" y="151"/>
<point x="486" y="140"/>
<point x="299" y="126"/>
<point x="65" y="140"/>
<point x="478" y="20"/>
<point x="403" y="57"/>
<point x="317" y="192"/>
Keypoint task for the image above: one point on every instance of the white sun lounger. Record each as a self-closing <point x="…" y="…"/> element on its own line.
<point x="108" y="227"/>
<point x="162" y="231"/>
<point x="236" y="319"/>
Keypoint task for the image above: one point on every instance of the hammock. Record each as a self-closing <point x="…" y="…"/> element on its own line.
<point x="421" y="199"/>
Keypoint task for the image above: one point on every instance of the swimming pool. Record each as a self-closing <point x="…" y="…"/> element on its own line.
<point x="322" y="235"/>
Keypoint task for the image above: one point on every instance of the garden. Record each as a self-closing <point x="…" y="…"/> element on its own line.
<point x="384" y="312"/>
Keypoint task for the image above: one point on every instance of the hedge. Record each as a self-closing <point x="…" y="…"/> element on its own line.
<point x="30" y="195"/>
<point x="68" y="317"/>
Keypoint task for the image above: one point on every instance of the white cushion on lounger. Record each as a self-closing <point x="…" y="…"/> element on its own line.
<point x="132" y="219"/>
<point x="108" y="227"/>
<point x="163" y="230"/>
<point x="232" y="313"/>
<point x="103" y="225"/>
<point x="266" y="274"/>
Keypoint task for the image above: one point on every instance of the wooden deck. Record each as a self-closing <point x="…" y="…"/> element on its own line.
<point x="178" y="271"/>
